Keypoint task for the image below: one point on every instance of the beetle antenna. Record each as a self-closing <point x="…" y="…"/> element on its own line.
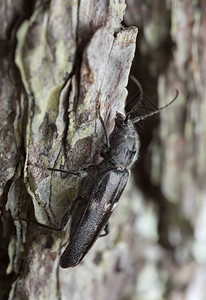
<point x="137" y="119"/>
<point x="139" y="94"/>
<point x="138" y="84"/>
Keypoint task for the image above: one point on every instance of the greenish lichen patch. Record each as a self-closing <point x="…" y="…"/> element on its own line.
<point x="64" y="66"/>
<point x="49" y="106"/>
<point x="21" y="36"/>
<point x="80" y="134"/>
<point x="12" y="253"/>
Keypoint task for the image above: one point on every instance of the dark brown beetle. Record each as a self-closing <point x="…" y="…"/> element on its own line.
<point x="102" y="187"/>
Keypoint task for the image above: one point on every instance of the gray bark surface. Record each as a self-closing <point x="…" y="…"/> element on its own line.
<point x="171" y="173"/>
<point x="61" y="60"/>
<point x="66" y="59"/>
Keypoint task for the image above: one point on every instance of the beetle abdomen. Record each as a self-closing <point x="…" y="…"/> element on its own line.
<point x="101" y="203"/>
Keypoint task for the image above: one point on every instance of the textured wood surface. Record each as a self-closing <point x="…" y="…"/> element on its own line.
<point x="71" y="57"/>
<point x="171" y="174"/>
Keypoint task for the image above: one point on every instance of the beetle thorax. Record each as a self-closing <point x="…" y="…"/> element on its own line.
<point x="124" y="143"/>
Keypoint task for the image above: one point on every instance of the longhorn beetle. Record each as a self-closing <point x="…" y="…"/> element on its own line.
<point x="101" y="187"/>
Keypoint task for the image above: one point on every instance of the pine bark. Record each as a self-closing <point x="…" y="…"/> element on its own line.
<point x="60" y="62"/>
<point x="171" y="172"/>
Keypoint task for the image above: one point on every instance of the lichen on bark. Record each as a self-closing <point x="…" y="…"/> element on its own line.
<point x="72" y="56"/>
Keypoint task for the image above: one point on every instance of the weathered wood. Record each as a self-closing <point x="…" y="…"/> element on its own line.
<point x="172" y="172"/>
<point x="72" y="57"/>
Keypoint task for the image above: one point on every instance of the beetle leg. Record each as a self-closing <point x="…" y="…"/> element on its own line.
<point x="64" y="222"/>
<point x="69" y="172"/>
<point x="66" y="218"/>
<point x="106" y="229"/>
<point x="37" y="223"/>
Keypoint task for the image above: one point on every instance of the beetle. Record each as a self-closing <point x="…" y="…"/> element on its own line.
<point x="102" y="188"/>
<point x="100" y="191"/>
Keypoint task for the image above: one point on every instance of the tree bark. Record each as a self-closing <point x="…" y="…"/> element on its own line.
<point x="171" y="172"/>
<point x="66" y="59"/>
<point x="60" y="61"/>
